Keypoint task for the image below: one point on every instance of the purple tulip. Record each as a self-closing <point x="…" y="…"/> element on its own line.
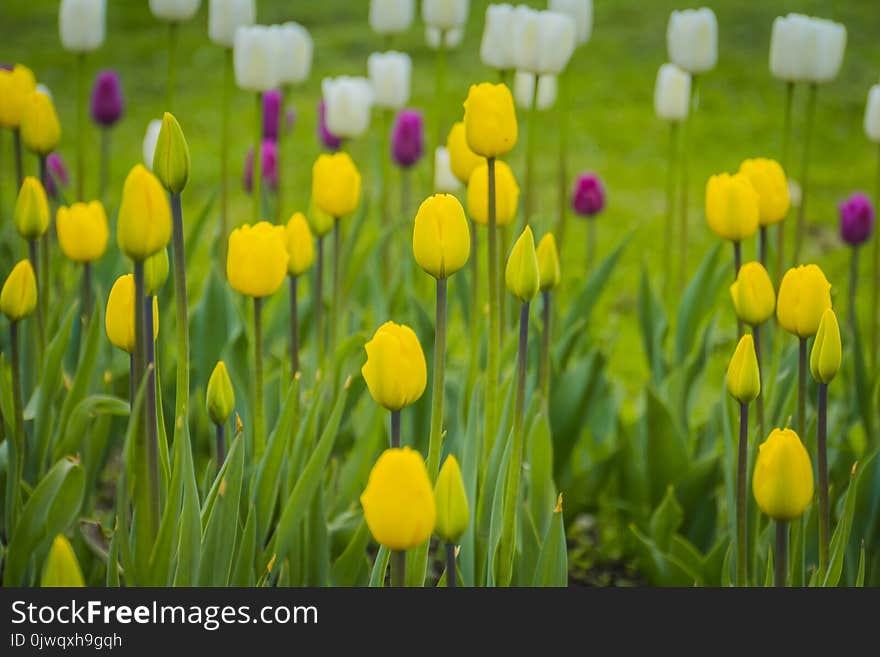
<point x="269" y="164"/>
<point x="272" y="101"/>
<point x="107" y="101"/>
<point x="588" y="198"/>
<point x="407" y="138"/>
<point x="57" y="175"/>
<point x="330" y="141"/>
<point x="856" y="219"/>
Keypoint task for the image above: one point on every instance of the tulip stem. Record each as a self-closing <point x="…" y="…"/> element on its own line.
<point x="805" y="168"/>
<point x="150" y="401"/>
<point x="19" y="166"/>
<point x="762" y="245"/>
<point x="435" y="442"/>
<point x="741" y="467"/>
<point x="875" y="332"/>
<point x="802" y="387"/>
<point x="18" y="445"/>
<point x="33" y="256"/>
<point x="395" y="429"/>
<point x="224" y="155"/>
<point x="319" y="300"/>
<point x="131" y="378"/>
<point x="451" y="574"/>
<point x="786" y="147"/>
<point x="104" y="179"/>
<point x="80" y="126"/>
<point x="528" y="201"/>
<point x="670" y="204"/>
<point x="822" y="465"/>
<point x="336" y="306"/>
<point x="86" y="310"/>
<point x="493" y="338"/>
<point x="780" y="566"/>
<point x="737" y="263"/>
<point x="294" y="327"/>
<point x="172" y="56"/>
<point x="259" y="438"/>
<point x="181" y="406"/>
<point x="440" y="86"/>
<point x="853" y="285"/>
<point x="279" y="155"/>
<point x="759" y="402"/>
<point x="257" y="183"/>
<point x="545" y="346"/>
<point x="398" y="568"/>
<point x="683" y="225"/>
<point x="591" y="242"/>
<point x="562" y="182"/>
<point x="221" y="445"/>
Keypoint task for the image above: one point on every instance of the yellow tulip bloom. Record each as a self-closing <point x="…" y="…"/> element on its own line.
<point x="300" y="244"/>
<point x="31" y="214"/>
<point x="753" y="296"/>
<point x="40" y="129"/>
<point x="548" y="263"/>
<point x="521" y="274"/>
<point x="743" y="377"/>
<point x="450" y="498"/>
<point x="490" y="119"/>
<point x="16" y="86"/>
<point x="256" y="260"/>
<point x="506" y="194"/>
<point x="804" y="296"/>
<point x="771" y="184"/>
<point x="826" y="355"/>
<point x="220" y="397"/>
<point x="82" y="231"/>
<point x="441" y="236"/>
<point x="336" y="184"/>
<point x="18" y="297"/>
<point x="783" y="479"/>
<point x="462" y="160"/>
<point x="395" y="371"/>
<point x="732" y="208"/>
<point x="119" y="316"/>
<point x="144" y="223"/>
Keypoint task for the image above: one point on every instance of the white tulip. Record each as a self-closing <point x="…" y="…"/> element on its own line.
<point x="497" y="49"/>
<point x="391" y="16"/>
<point x="445" y="14"/>
<point x="226" y="16"/>
<point x="390" y="74"/>
<point x="828" y="55"/>
<point x="580" y="11"/>
<point x="672" y="93"/>
<point x="524" y="88"/>
<point x="174" y="10"/>
<point x="544" y="40"/>
<point x="787" y="40"/>
<point x="348" y="102"/>
<point x="692" y="39"/>
<point x="445" y="181"/>
<point x="451" y="38"/>
<point x="256" y="58"/>
<point x="294" y="47"/>
<point x="806" y="49"/>
<point x="150" y="139"/>
<point x="872" y="114"/>
<point x="82" y="24"/>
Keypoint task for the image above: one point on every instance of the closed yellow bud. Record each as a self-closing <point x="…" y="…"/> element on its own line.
<point x="732" y="207"/>
<point x="16" y="86"/>
<point x="395" y="371"/>
<point x="82" y="231"/>
<point x="804" y="296"/>
<point x="753" y="296"/>
<point x="300" y="244"/>
<point x="155" y="272"/>
<point x="31" y="209"/>
<point x="398" y="501"/>
<point x="506" y="194"/>
<point x="441" y="236"/>
<point x="450" y="499"/>
<point x="40" y="129"/>
<point x="743" y="377"/>
<point x="521" y="274"/>
<point x="490" y="119"/>
<point x="144" y="224"/>
<point x="783" y="479"/>
<point x="826" y="355"/>
<point x="771" y="183"/>
<point x="336" y="184"/>
<point x="171" y="159"/>
<point x="61" y="567"/>
<point x="119" y="316"/>
<point x="462" y="160"/>
<point x="256" y="260"/>
<point x="220" y="397"/>
<point x="320" y="222"/>
<point x="548" y="263"/>
<point x="18" y="298"/>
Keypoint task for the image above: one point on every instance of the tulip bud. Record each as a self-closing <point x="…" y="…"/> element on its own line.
<point x="348" y="103"/>
<point x="57" y="176"/>
<point x="506" y="194"/>
<point x="771" y="184"/>
<point x="82" y="231"/>
<point x="490" y="120"/>
<point x="743" y="377"/>
<point x="144" y="222"/>
<point x="174" y="11"/>
<point x="151" y="138"/>
<point x="856" y="219"/>
<point x="398" y="501"/>
<point x="269" y="164"/>
<point x="391" y="16"/>
<point x="581" y="12"/>
<point x="16" y="86"/>
<point x="524" y="89"/>
<point x="441" y="236"/>
<point x="107" y="103"/>
<point x="61" y="567"/>
<point x="451" y="38"/>
<point x="119" y="315"/>
<point x="451" y="502"/>
<point x="330" y="141"/>
<point x="390" y="74"/>
<point x="395" y="371"/>
<point x="692" y="39"/>
<point x="320" y="222"/>
<point x="445" y="14"/>
<point x="220" y="397"/>
<point x="255" y="56"/>
<point x="40" y="129"/>
<point x="155" y="272"/>
<point x="732" y="206"/>
<point x="521" y="274"/>
<point x="171" y="160"/>
<point x="588" y="198"/>
<point x="336" y="184"/>
<point x="497" y="48"/>
<point x="226" y="16"/>
<point x="548" y="263"/>
<point x="826" y="354"/>
<point x="445" y="181"/>
<point x="300" y="245"/>
<point x="804" y="296"/>
<point x="31" y="212"/>
<point x="18" y="297"/>
<point x="407" y="138"/>
<point x="872" y="114"/>
<point x="753" y="296"/>
<point x="462" y="159"/>
<point x="672" y="93"/>
<point x="256" y="260"/>
<point x="81" y="24"/>
<point x="783" y="478"/>
<point x="294" y="49"/>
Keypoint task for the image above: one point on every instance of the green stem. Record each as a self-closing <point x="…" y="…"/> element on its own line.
<point x="853" y="285"/>
<point x="822" y="465"/>
<point x="528" y="200"/>
<point x="562" y="181"/>
<point x="104" y="180"/>
<point x="33" y="256"/>
<point x="259" y="431"/>
<point x="780" y="565"/>
<point x="150" y="410"/>
<point x="294" y="327"/>
<point x="451" y="574"/>
<point x="19" y="165"/>
<point x="80" y="126"/>
<point x="683" y="225"/>
<point x="319" y="301"/>
<point x="398" y="568"/>
<point x="875" y="332"/>
<point x="762" y="245"/>
<point x="435" y="442"/>
<point x="741" y="473"/>
<point x="220" y="433"/>
<point x="759" y="402"/>
<point x="545" y="346"/>
<point x="737" y="264"/>
<point x="395" y="429"/>
<point x="257" y="189"/>
<point x="18" y="445"/>
<point x="492" y="358"/>
<point x="172" y="56"/>
<point x="805" y="169"/>
<point x="786" y="146"/>
<point x="802" y="388"/>
<point x="181" y="407"/>
<point x="669" y="231"/>
<point x="224" y="156"/>
<point x="279" y="156"/>
<point x="86" y="294"/>
<point x="440" y="88"/>
<point x="591" y="242"/>
<point x="336" y="312"/>
<point x="385" y="159"/>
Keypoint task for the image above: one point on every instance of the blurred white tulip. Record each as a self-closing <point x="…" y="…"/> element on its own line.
<point x="256" y="58"/>
<point x="544" y="40"/>
<point x="692" y="39"/>
<point x="226" y="16"/>
<point x="390" y="74"/>
<point x="43" y="89"/>
<point x="174" y="10"/>
<point x="524" y="88"/>
<point x="82" y="24"/>
<point x="806" y="49"/>
<point x="872" y="114"/>
<point x="445" y="14"/>
<point x="497" y="47"/>
<point x="451" y="38"/>
<point x="445" y="181"/>
<point x="828" y="54"/>
<point x="150" y="139"/>
<point x="787" y="39"/>
<point x="391" y="16"/>
<point x="294" y="46"/>
<point x="347" y="102"/>
<point x="580" y="11"/>
<point x="672" y="93"/>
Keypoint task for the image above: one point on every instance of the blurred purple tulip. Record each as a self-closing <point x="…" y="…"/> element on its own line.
<point x="269" y="164"/>
<point x="330" y="141"/>
<point x="856" y="219"/>
<point x="588" y="198"/>
<point x="407" y="138"/>
<point x="57" y="175"/>
<point x="107" y="103"/>
<point x="272" y="101"/>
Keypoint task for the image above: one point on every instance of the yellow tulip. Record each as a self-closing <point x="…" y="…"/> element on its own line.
<point x="300" y="244"/>
<point x="256" y="260"/>
<point x="753" y="296"/>
<point x="119" y="316"/>
<point x="61" y="567"/>
<point x="732" y="208"/>
<point x="171" y="161"/>
<point x="31" y="213"/>
<point x="441" y="236"/>
<point x="82" y="231"/>
<point x="506" y="194"/>
<point x="783" y="479"/>
<point x="450" y="499"/>
<point x="771" y="183"/>
<point x="395" y="371"/>
<point x="220" y="397"/>
<point x="826" y="355"/>
<point x="156" y="272"/>
<point x="398" y="501"/>
<point x="336" y="184"/>
<point x="18" y="298"/>
<point x="462" y="160"/>
<point x="16" y="86"/>
<point x="40" y="129"/>
<point x="804" y="296"/>
<point x="548" y="263"/>
<point x="144" y="223"/>
<point x="490" y="119"/>
<point x="521" y="275"/>
<point x="743" y="377"/>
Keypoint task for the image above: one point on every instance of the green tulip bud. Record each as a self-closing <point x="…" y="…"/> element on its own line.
<point x="451" y="502"/>
<point x="155" y="272"/>
<point x="521" y="274"/>
<point x="743" y="378"/>
<point x="220" y="396"/>
<point x="171" y="160"/>
<point x="826" y="354"/>
<point x="61" y="567"/>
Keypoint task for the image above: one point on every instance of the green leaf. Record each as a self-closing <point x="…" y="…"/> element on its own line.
<point x="189" y="544"/>
<point x="666" y="520"/>
<point x="83" y="415"/>
<point x="665" y="453"/>
<point x="840" y="537"/>
<point x="243" y="573"/>
<point x="221" y="529"/>
<point x="540" y="473"/>
<point x="654" y="325"/>
<point x="697" y="301"/>
<point x="380" y="567"/>
<point x="552" y="567"/>
<point x="860" y="575"/>
<point x="352" y="567"/>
